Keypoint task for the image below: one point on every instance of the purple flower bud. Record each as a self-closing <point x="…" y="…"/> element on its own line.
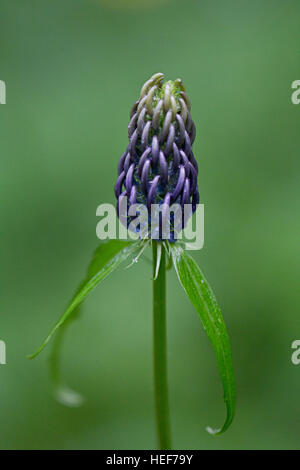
<point x="159" y="166"/>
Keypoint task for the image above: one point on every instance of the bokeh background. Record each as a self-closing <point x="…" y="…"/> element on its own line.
<point x="73" y="68"/>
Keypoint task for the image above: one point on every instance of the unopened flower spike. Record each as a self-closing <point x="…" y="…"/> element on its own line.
<point x="158" y="166"/>
<point x="157" y="192"/>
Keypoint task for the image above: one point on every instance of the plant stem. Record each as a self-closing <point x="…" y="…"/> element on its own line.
<point x="160" y="352"/>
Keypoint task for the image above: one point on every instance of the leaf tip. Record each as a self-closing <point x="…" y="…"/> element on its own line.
<point x="36" y="353"/>
<point x="218" y="432"/>
<point x="68" y="397"/>
<point x="213" y="432"/>
<point x="31" y="356"/>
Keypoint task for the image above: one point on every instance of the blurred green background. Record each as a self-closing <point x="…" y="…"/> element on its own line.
<point x="73" y="68"/>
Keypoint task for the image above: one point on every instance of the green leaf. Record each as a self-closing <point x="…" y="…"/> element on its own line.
<point x="204" y="301"/>
<point x="108" y="256"/>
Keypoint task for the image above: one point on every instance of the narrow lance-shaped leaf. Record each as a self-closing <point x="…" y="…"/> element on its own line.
<point x="204" y="301"/>
<point x="106" y="259"/>
<point x="62" y="393"/>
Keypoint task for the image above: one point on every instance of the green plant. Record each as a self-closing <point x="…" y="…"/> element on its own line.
<point x="158" y="167"/>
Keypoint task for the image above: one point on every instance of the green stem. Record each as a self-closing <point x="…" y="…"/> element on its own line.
<point x="160" y="352"/>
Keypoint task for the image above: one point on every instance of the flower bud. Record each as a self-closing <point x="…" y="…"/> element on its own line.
<point x="159" y="167"/>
